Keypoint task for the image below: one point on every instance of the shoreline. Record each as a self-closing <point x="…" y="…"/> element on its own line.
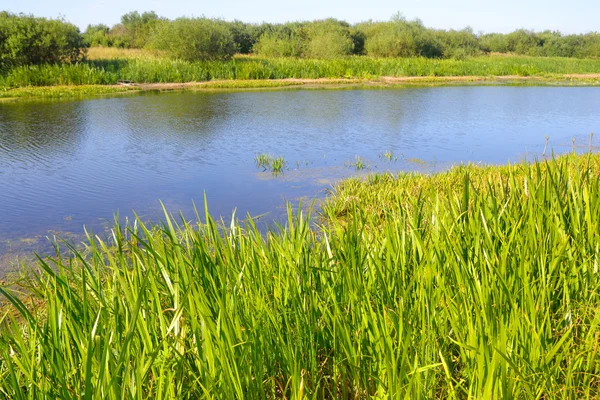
<point x="88" y="91"/>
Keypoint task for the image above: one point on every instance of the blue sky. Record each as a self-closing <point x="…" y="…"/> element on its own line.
<point x="576" y="16"/>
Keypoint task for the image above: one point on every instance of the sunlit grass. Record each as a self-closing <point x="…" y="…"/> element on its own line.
<point x="63" y="91"/>
<point x="108" y="53"/>
<point x="358" y="163"/>
<point x="265" y="161"/>
<point x="479" y="282"/>
<point x="143" y="68"/>
<point x="388" y="155"/>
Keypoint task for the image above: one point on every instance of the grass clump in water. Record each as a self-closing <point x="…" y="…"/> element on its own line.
<point x="265" y="161"/>
<point x="358" y="164"/>
<point x="277" y="165"/>
<point x="388" y="155"/>
<point x="478" y="282"/>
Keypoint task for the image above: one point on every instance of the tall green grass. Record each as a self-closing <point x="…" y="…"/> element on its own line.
<point x="162" y="70"/>
<point x="480" y="282"/>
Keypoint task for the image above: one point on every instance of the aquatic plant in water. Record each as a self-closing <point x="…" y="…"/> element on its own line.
<point x="388" y="155"/>
<point x="358" y="163"/>
<point x="266" y="161"/>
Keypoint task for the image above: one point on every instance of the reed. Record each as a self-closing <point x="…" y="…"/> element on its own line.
<point x="154" y="69"/>
<point x="358" y="163"/>
<point x="478" y="282"/>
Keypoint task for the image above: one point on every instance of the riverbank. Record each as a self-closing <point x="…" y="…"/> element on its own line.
<point x="83" y="91"/>
<point x="478" y="281"/>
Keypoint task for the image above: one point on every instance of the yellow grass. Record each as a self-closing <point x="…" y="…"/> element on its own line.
<point x="107" y="53"/>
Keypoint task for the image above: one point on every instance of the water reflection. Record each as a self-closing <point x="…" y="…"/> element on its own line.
<point x="66" y="164"/>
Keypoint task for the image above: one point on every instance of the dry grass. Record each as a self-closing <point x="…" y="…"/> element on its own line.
<point x="111" y="53"/>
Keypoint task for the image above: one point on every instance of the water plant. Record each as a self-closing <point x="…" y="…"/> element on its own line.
<point x="478" y="282"/>
<point x="163" y="70"/>
<point x="263" y="160"/>
<point x="267" y="162"/>
<point x="388" y="155"/>
<point x="358" y="163"/>
<point x="277" y="165"/>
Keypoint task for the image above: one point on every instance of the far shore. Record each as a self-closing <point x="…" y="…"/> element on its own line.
<point x="70" y="91"/>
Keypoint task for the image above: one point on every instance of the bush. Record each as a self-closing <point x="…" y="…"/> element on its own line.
<point x="138" y="28"/>
<point x="458" y="44"/>
<point x="27" y="40"/>
<point x="400" y="38"/>
<point x="328" y="39"/>
<point x="285" y="40"/>
<point x="194" y="39"/>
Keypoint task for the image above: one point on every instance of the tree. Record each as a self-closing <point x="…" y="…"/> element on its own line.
<point x="195" y="39"/>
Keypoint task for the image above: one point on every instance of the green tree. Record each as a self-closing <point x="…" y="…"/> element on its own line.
<point x="140" y="27"/>
<point x="328" y="38"/>
<point x="400" y="38"/>
<point x="195" y="39"/>
<point x="284" y="40"/>
<point x="25" y="39"/>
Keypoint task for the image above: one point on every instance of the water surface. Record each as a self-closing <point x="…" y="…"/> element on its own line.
<point x="64" y="165"/>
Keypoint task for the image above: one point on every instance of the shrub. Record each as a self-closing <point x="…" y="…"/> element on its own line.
<point x="285" y="40"/>
<point x="194" y="39"/>
<point x="26" y="40"/>
<point x="328" y="39"/>
<point x="97" y="35"/>
<point x="458" y="44"/>
<point x="138" y="28"/>
<point x="400" y="38"/>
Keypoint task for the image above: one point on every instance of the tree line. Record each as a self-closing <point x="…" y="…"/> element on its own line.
<point x="25" y="39"/>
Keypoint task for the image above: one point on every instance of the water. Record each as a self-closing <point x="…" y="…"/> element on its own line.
<point x="64" y="165"/>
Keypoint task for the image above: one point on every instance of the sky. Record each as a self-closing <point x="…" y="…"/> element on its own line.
<point x="575" y="16"/>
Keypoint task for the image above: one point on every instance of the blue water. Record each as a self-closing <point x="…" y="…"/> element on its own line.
<point x="67" y="164"/>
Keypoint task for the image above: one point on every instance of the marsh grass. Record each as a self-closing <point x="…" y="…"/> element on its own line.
<point x="151" y="69"/>
<point x="479" y="282"/>
<point x="276" y="165"/>
<point x="358" y="163"/>
<point x="54" y="92"/>
<point x="262" y="160"/>
<point x="388" y="155"/>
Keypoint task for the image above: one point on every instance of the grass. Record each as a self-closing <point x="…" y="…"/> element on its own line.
<point x="111" y="53"/>
<point x="358" y="164"/>
<point x="265" y="161"/>
<point x="141" y="67"/>
<point x="479" y="282"/>
<point x="63" y="91"/>
<point x="388" y="155"/>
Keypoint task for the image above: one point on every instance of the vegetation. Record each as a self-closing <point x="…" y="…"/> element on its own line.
<point x="64" y="91"/>
<point x="359" y="163"/>
<point x="148" y="69"/>
<point x="332" y="38"/>
<point x="267" y="162"/>
<point x="194" y="39"/>
<point x="26" y="40"/>
<point x="478" y="282"/>
<point x="388" y="155"/>
<point x="45" y="52"/>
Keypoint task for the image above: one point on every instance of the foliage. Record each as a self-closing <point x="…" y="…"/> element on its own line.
<point x="140" y="27"/>
<point x="194" y="39"/>
<point x="328" y="38"/>
<point x="281" y="41"/>
<point x="148" y="69"/>
<point x="27" y="40"/>
<point x="400" y="38"/>
<point x="458" y="44"/>
<point x="97" y="35"/>
<point x="480" y="282"/>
